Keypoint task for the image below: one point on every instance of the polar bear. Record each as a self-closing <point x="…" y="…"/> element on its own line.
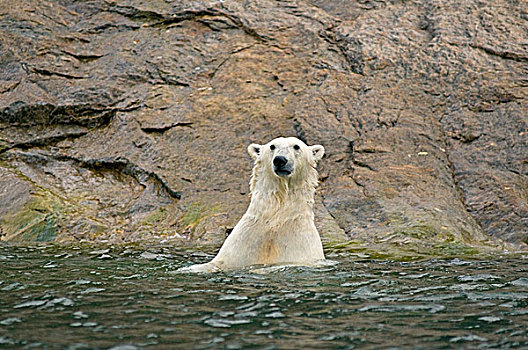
<point x="278" y="226"/>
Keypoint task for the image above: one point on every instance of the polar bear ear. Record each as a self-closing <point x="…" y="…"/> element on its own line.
<point x="254" y="150"/>
<point x="317" y="151"/>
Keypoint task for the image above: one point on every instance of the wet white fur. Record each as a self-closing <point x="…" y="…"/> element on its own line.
<point x="278" y="226"/>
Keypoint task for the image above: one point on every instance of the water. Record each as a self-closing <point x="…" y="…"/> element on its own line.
<point x="130" y="298"/>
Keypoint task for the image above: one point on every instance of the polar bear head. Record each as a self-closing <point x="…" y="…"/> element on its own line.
<point x="285" y="160"/>
<point x="286" y="156"/>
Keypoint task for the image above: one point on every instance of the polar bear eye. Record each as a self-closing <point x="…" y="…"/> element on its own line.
<point x="296" y="147"/>
<point x="272" y="147"/>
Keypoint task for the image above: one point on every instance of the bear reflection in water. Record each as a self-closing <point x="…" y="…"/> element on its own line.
<point x="278" y="226"/>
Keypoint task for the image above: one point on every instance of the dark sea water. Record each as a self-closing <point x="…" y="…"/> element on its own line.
<point x="131" y="298"/>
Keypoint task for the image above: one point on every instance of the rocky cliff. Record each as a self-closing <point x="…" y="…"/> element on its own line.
<point x="130" y="119"/>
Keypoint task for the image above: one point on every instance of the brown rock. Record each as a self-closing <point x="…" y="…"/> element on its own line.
<point x="132" y="118"/>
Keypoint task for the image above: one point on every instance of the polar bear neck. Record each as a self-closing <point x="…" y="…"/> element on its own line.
<point x="270" y="193"/>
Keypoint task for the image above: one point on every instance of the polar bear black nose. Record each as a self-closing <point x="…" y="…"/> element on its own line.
<point x="280" y="161"/>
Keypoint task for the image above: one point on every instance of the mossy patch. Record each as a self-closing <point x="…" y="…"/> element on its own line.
<point x="455" y="249"/>
<point x="159" y="223"/>
<point x="155" y="217"/>
<point x="48" y="232"/>
<point x="404" y="251"/>
<point x="419" y="232"/>
<point x="195" y="213"/>
<point x="35" y="222"/>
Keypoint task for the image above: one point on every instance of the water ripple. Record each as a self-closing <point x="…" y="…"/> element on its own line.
<point x="125" y="298"/>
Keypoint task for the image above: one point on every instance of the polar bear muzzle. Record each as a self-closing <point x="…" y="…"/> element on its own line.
<point x="282" y="167"/>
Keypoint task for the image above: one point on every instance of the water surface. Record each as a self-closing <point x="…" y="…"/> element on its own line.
<point x="129" y="297"/>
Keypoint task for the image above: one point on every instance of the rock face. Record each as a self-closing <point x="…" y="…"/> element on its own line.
<point x="128" y="119"/>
